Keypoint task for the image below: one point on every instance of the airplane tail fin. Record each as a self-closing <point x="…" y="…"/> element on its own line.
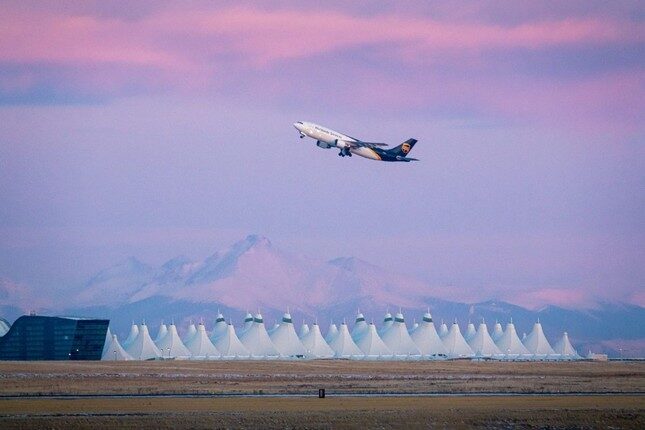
<point x="403" y="149"/>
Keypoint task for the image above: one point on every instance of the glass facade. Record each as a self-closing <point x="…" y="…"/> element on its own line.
<point x="34" y="337"/>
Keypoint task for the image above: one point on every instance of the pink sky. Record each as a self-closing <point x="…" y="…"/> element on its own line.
<point x="163" y="118"/>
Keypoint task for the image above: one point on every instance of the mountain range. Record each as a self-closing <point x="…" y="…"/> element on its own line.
<point x="255" y="275"/>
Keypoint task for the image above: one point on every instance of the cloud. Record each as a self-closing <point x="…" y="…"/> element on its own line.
<point x="439" y="65"/>
<point x="185" y="40"/>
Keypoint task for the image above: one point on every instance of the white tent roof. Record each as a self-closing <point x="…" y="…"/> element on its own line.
<point x="108" y="339"/>
<point x="257" y="340"/>
<point x="200" y="345"/>
<point x="304" y="329"/>
<point x="482" y="344"/>
<point x="134" y="332"/>
<point x="220" y="328"/>
<point x="497" y="332"/>
<point x="273" y="328"/>
<point x="286" y="340"/>
<point x="510" y="343"/>
<point x="371" y="344"/>
<point x="387" y="323"/>
<point x="456" y="344"/>
<point x="332" y="332"/>
<point x="230" y="346"/>
<point x="360" y="327"/>
<point x="564" y="348"/>
<point x="443" y="330"/>
<point x="315" y="344"/>
<point x="536" y="342"/>
<point x="192" y="331"/>
<point x="143" y="348"/>
<point x="343" y="345"/>
<point x="114" y="351"/>
<point x="398" y="339"/>
<point x="415" y="326"/>
<point x="470" y="331"/>
<point x="248" y="322"/>
<point x="4" y="327"/>
<point x="426" y="338"/>
<point x="163" y="330"/>
<point x="171" y="344"/>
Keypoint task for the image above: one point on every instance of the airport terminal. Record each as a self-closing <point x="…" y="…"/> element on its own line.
<point x="34" y="337"/>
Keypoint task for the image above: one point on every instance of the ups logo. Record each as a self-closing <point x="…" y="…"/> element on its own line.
<point x="405" y="148"/>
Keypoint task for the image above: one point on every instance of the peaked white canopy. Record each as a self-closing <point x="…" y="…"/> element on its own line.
<point x="482" y="344"/>
<point x="565" y="349"/>
<point x="108" y="339"/>
<point x="398" y="339"/>
<point x="456" y="344"/>
<point x="360" y="327"/>
<point x="171" y="344"/>
<point x="273" y="328"/>
<point x="230" y="346"/>
<point x="510" y="344"/>
<point x="426" y="338"/>
<point x="114" y="351"/>
<point x="387" y="323"/>
<point x="415" y="326"/>
<point x="497" y="332"/>
<point x="220" y="327"/>
<point x="200" y="346"/>
<point x="134" y="332"/>
<point x="371" y="343"/>
<point x="315" y="344"/>
<point x="257" y="340"/>
<point x="304" y="329"/>
<point x="142" y="347"/>
<point x="343" y="345"/>
<point x="332" y="332"/>
<point x="537" y="343"/>
<point x="248" y="323"/>
<point x="443" y="330"/>
<point x="192" y="331"/>
<point x="470" y="331"/>
<point x="163" y="330"/>
<point x="286" y="340"/>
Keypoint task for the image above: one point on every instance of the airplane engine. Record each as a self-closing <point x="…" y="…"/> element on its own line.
<point x="341" y="144"/>
<point x="324" y="145"/>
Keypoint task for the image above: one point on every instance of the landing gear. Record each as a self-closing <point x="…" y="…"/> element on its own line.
<point x="302" y="136"/>
<point x="344" y="152"/>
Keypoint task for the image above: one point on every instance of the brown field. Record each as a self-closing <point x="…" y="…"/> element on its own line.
<point x="624" y="409"/>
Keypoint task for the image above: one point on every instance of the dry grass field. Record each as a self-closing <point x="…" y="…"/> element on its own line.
<point x="23" y="385"/>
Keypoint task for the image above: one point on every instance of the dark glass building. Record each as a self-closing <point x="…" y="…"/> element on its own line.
<point x="35" y="337"/>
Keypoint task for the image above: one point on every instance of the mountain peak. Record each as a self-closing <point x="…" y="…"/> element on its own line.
<point x="254" y="240"/>
<point x="175" y="262"/>
<point x="349" y="263"/>
<point x="131" y="261"/>
<point x="129" y="266"/>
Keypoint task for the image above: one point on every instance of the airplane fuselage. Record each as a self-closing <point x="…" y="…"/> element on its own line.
<point x="328" y="138"/>
<point x="348" y="145"/>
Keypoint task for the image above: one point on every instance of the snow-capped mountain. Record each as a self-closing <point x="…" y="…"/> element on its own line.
<point x="254" y="274"/>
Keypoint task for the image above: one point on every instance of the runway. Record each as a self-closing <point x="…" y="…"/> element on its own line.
<point x="279" y="411"/>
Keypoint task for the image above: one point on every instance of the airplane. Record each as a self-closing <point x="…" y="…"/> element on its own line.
<point x="327" y="138"/>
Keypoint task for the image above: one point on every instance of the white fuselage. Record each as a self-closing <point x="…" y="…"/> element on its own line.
<point x="330" y="138"/>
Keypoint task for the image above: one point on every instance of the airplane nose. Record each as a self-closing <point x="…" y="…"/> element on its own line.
<point x="297" y="125"/>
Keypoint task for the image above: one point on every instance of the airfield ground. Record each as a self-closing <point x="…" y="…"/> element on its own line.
<point x="189" y="394"/>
